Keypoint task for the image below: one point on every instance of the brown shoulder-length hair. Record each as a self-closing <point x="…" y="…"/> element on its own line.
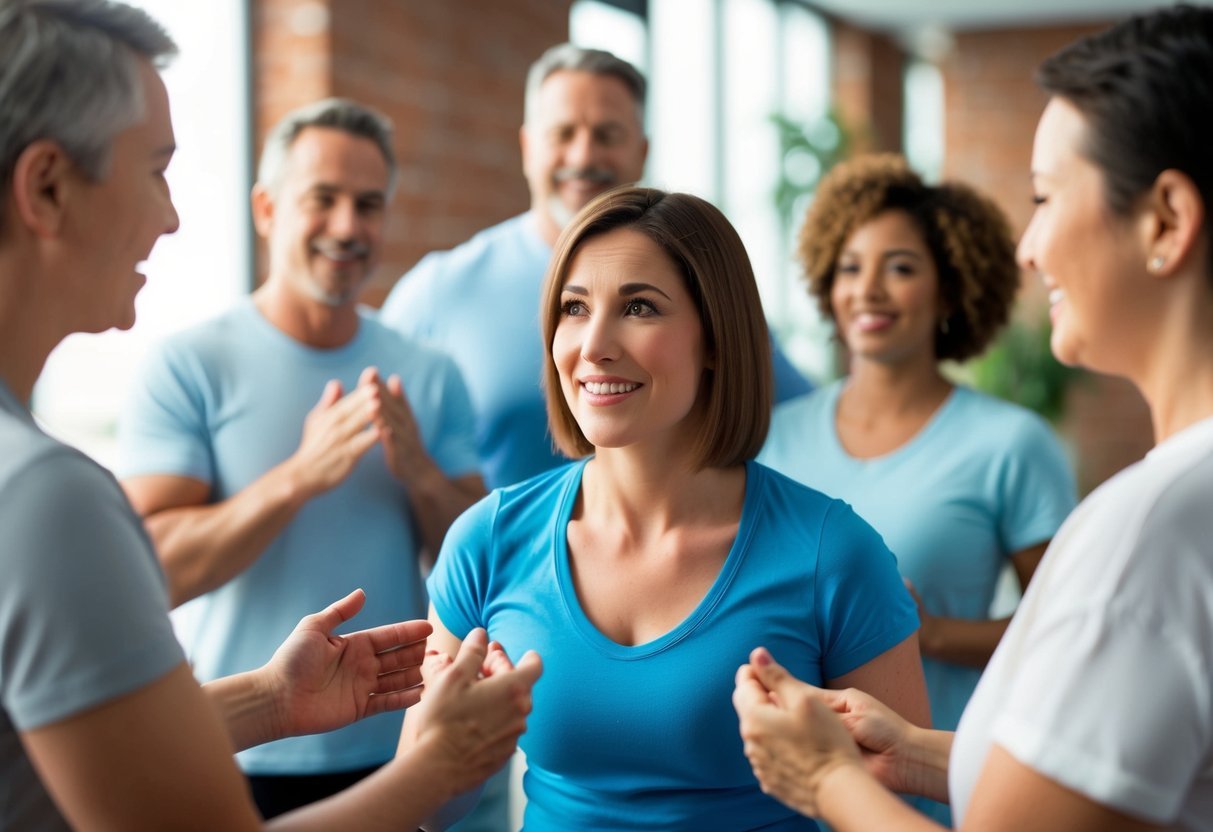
<point x="736" y="391"/>
<point x="967" y="234"/>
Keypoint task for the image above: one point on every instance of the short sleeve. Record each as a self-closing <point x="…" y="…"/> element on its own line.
<point x="454" y="444"/>
<point x="163" y="428"/>
<point x="406" y="309"/>
<point x="862" y="606"/>
<point x="83" y="605"/>
<point x="1036" y="488"/>
<point x="458" y="586"/>
<point x="789" y="383"/>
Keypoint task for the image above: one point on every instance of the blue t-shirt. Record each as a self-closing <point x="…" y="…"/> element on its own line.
<point x="223" y="403"/>
<point x="479" y="303"/>
<point x="982" y="480"/>
<point x="83" y="608"/>
<point x="645" y="736"/>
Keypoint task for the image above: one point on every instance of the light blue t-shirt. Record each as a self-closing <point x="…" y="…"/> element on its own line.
<point x="479" y="303"/>
<point x="645" y="736"/>
<point x="83" y="608"/>
<point x="223" y="403"/>
<point x="981" y="481"/>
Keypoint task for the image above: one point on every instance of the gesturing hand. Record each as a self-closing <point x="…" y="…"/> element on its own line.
<point x="403" y="449"/>
<point x="336" y="434"/>
<point x="474" y="710"/>
<point x="322" y="681"/>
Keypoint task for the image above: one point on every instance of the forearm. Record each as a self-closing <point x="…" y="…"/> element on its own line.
<point x="203" y="547"/>
<point x="924" y="763"/>
<point x="436" y="500"/>
<point x="399" y="796"/>
<point x="850" y="800"/>
<point x="962" y="641"/>
<point x="248" y="708"/>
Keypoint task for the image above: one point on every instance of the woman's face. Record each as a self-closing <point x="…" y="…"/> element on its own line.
<point x="629" y="344"/>
<point x="1091" y="262"/>
<point x="885" y="295"/>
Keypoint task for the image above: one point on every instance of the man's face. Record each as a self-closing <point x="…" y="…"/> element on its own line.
<point x="117" y="220"/>
<point x="324" y="221"/>
<point x="585" y="138"/>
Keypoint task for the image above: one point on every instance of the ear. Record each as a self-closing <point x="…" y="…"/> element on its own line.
<point x="1174" y="222"/>
<point x="41" y="184"/>
<point x="523" y="140"/>
<point x="263" y="210"/>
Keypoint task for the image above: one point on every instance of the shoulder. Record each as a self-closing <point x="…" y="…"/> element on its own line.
<point x="795" y="503"/>
<point x="1000" y="418"/>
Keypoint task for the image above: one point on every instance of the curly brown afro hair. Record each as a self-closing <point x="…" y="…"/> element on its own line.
<point x="967" y="235"/>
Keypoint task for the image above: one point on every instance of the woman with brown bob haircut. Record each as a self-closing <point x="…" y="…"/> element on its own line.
<point x="959" y="484"/>
<point x="643" y="571"/>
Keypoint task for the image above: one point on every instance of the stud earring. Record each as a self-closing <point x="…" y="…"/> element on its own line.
<point x="1157" y="262"/>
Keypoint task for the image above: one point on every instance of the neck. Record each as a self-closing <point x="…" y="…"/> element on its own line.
<point x="647" y="495"/>
<point x="32" y="324"/>
<point x="895" y="390"/>
<point x="308" y="321"/>
<point x="549" y="230"/>
<point x="1175" y="372"/>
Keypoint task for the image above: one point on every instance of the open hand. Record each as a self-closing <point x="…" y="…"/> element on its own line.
<point x="321" y="681"/>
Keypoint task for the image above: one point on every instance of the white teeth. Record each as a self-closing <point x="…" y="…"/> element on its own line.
<point x="1056" y="296"/>
<point x="601" y="388"/>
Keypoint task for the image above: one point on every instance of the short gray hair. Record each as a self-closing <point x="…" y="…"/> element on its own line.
<point x="568" y="57"/>
<point x="335" y="113"/>
<point x="70" y="74"/>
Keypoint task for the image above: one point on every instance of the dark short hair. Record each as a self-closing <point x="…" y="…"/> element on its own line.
<point x="967" y="235"/>
<point x="736" y="393"/>
<point x="1145" y="89"/>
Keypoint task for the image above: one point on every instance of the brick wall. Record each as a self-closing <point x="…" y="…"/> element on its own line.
<point x="450" y="75"/>
<point x="991" y="110"/>
<point x="866" y="86"/>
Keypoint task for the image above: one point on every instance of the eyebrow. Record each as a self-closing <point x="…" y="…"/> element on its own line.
<point x="625" y="290"/>
<point x="329" y="188"/>
<point x="893" y="252"/>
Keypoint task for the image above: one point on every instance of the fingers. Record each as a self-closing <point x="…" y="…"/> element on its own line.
<point x="390" y="637"/>
<point x="471" y="654"/>
<point x="772" y="675"/>
<point x="329" y="396"/>
<point x="337" y="612"/>
<point x="748" y="692"/>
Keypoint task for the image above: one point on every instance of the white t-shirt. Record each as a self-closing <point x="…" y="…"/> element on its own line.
<point x="1104" y="680"/>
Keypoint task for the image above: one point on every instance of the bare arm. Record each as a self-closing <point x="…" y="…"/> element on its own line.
<point x="894" y="678"/>
<point x="435" y="499"/>
<point x="968" y="642"/>
<point x="203" y="545"/>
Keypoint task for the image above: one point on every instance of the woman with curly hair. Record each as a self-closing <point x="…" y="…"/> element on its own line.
<point x="958" y="483"/>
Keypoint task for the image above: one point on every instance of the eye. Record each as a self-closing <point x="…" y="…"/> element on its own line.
<point x="847" y="268"/>
<point x="572" y="308"/>
<point x="1038" y="199"/>
<point x="639" y="307"/>
<point x="903" y="268"/>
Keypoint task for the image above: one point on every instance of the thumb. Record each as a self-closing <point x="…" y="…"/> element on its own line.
<point x="470" y="657"/>
<point x="529" y="668"/>
<point x="773" y="676"/>
<point x="332" y="616"/>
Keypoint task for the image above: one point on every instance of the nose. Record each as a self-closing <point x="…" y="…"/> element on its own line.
<point x="1024" y="252"/>
<point x="599" y="341"/>
<point x="870" y="282"/>
<point x="172" y="221"/>
<point x="581" y="150"/>
<point x="343" y="220"/>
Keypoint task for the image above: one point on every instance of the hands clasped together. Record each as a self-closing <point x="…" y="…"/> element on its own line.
<point x="342" y="427"/>
<point x="797" y="735"/>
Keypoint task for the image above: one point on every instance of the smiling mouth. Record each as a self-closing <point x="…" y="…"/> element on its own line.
<point x="603" y="388"/>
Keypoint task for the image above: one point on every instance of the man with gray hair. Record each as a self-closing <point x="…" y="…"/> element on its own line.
<point x="294" y="448"/>
<point x="583" y="135"/>
<point x="102" y="723"/>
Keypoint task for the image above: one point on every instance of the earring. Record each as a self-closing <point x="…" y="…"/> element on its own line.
<point x="1156" y="263"/>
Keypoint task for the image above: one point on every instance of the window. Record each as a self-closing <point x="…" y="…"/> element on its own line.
<point x="204" y="266"/>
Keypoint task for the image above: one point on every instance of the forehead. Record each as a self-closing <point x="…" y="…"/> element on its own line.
<point x="893" y="227"/>
<point x="622" y="255"/>
<point x="571" y="94"/>
<point x="333" y="157"/>
<point x="152" y="133"/>
<point x="1058" y="136"/>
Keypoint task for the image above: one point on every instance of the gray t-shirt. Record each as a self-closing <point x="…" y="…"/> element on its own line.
<point x="83" y="604"/>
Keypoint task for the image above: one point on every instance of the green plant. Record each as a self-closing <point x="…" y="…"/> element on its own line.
<point x="807" y="150"/>
<point x="1020" y="367"/>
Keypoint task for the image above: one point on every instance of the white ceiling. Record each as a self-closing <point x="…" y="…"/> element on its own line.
<point x="906" y="16"/>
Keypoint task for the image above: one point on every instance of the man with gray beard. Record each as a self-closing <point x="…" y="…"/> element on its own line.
<point x="293" y="449"/>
